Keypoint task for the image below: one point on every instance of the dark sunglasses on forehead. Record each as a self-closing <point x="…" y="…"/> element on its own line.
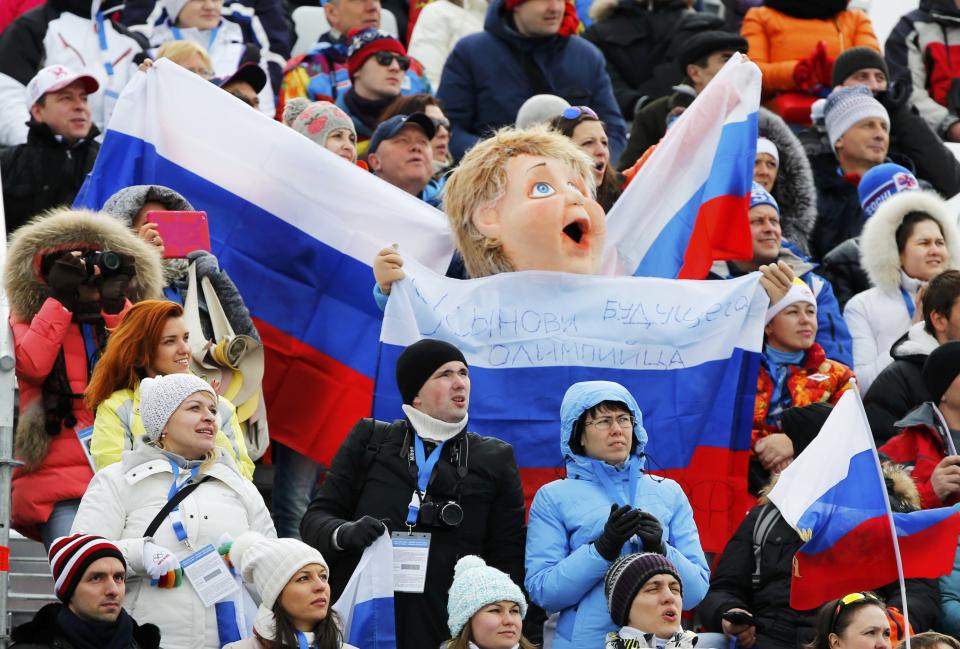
<point x="573" y="112"/>
<point x="386" y="58"/>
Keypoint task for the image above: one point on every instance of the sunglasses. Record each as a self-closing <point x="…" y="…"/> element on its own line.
<point x="444" y="122"/>
<point x="386" y="58"/>
<point x="845" y="601"/>
<point x="573" y="112"/>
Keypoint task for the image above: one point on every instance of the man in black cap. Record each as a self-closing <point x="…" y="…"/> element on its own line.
<point x="700" y="59"/>
<point x="456" y="492"/>
<point x="930" y="433"/>
<point x="401" y="154"/>
<point x="245" y="84"/>
<point x="910" y="135"/>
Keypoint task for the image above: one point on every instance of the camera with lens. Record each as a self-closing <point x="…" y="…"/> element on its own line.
<point x="440" y="512"/>
<point x="107" y="261"/>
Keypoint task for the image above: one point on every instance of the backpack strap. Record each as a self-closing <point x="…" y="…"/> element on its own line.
<point x="377" y="437"/>
<point x="768" y="517"/>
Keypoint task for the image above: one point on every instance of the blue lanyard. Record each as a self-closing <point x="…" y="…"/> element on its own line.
<point x="424" y="471"/>
<point x="302" y="640"/>
<point x="90" y="347"/>
<point x="177" y="524"/>
<point x="911" y="307"/>
<point x="102" y="36"/>
<point x="213" y="35"/>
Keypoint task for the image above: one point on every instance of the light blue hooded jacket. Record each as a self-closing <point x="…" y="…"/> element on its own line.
<point x="564" y="572"/>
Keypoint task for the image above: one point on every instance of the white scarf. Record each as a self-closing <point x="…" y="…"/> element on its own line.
<point x="430" y="429"/>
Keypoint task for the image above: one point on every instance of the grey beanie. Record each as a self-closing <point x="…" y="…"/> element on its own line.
<point x="125" y="204"/>
<point x="292" y="109"/>
<point x="161" y="396"/>
<point x="321" y="118"/>
<point x="540" y="109"/>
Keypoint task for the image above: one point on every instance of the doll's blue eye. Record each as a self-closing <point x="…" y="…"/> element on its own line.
<point x="542" y="189"/>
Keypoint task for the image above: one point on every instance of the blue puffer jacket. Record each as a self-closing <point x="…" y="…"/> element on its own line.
<point x="564" y="572"/>
<point x="483" y="83"/>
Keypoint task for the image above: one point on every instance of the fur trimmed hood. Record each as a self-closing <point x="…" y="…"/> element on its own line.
<point x="901" y="490"/>
<point x="878" y="245"/>
<point x="67" y="229"/>
<point x="794" y="190"/>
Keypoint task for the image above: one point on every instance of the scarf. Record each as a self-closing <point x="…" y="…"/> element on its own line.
<point x="809" y="9"/>
<point x="92" y="634"/>
<point x="777" y="364"/>
<point x="430" y="429"/>
<point x="366" y="110"/>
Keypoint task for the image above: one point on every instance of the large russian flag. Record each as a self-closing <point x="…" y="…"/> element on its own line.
<point x="686" y="350"/>
<point x="296" y="228"/>
<point x="688" y="205"/>
<point x="834" y="495"/>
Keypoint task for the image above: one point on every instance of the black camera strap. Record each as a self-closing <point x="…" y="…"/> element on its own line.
<point x="171" y="504"/>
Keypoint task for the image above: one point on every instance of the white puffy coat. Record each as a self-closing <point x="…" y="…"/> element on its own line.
<point x="879" y="316"/>
<point x="440" y="25"/>
<point x="123" y="499"/>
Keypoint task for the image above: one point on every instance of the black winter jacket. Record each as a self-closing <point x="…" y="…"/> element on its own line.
<point x="782" y="627"/>
<point x="635" y="37"/>
<point x="899" y="388"/>
<point x="841" y="267"/>
<point x="381" y="485"/>
<point x="43" y="173"/>
<point x="43" y="632"/>
<point x="839" y="215"/>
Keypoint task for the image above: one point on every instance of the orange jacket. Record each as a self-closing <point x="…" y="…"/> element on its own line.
<point x="778" y="41"/>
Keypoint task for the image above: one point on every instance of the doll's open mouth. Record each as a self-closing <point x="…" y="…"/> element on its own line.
<point x="574" y="231"/>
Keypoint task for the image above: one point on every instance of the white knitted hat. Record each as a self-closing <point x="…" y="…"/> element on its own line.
<point x="173" y="8"/>
<point x="799" y="292"/>
<point x="270" y="563"/>
<point x="161" y="396"/>
<point x="475" y="585"/>
<point x="847" y="106"/>
<point x="767" y="146"/>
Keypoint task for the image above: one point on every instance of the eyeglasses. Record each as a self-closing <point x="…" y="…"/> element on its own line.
<point x="573" y="112"/>
<point x="604" y="424"/>
<point x="386" y="58"/>
<point x="849" y="599"/>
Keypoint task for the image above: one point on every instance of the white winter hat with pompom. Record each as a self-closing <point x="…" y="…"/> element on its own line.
<point x="475" y="585"/>
<point x="270" y="563"/>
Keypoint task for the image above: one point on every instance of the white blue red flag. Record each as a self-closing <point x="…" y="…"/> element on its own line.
<point x="688" y="205"/>
<point x="365" y="606"/>
<point x="687" y="352"/>
<point x="296" y="228"/>
<point x="835" y="496"/>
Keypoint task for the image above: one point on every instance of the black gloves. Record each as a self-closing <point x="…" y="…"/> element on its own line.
<point x="359" y="534"/>
<point x="650" y="532"/>
<point x="620" y="526"/>
<point x="64" y="278"/>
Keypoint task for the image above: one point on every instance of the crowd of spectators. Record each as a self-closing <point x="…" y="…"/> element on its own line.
<point x="509" y="116"/>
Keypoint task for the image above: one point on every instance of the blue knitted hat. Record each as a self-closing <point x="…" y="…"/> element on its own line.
<point x="760" y="196"/>
<point x="882" y="182"/>
<point x="475" y="585"/>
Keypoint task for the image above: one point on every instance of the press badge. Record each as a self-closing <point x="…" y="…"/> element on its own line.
<point x="410" y="553"/>
<point x="209" y="575"/>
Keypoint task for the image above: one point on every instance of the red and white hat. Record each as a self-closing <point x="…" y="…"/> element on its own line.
<point x="70" y="556"/>
<point x="57" y="77"/>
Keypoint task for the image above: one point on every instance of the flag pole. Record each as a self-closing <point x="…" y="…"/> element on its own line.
<point x="893" y="525"/>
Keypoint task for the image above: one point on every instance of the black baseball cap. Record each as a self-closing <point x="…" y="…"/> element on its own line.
<point x="249" y="72"/>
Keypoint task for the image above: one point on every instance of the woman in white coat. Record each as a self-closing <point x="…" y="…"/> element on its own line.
<point x="291" y="578"/>
<point x="910" y="239"/>
<point x="439" y="26"/>
<point x="124" y="500"/>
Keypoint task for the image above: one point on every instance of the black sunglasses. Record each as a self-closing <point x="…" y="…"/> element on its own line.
<point x="386" y="58"/>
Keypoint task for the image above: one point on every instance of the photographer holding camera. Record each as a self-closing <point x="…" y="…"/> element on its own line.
<point x="67" y="277"/>
<point x="427" y="479"/>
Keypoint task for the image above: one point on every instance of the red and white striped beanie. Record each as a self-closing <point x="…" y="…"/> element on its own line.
<point x="70" y="556"/>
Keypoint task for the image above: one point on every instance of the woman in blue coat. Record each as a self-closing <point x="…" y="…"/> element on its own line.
<point x="581" y="524"/>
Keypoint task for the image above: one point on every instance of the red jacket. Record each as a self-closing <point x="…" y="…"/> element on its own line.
<point x="64" y="472"/>
<point x="920" y="444"/>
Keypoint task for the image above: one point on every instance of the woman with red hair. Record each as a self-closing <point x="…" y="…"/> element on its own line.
<point x="151" y="340"/>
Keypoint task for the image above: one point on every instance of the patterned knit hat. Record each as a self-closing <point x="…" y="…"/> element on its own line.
<point x="321" y="118"/>
<point x="475" y="585"/>
<point x="160" y="397"/>
<point x="847" y="106"/>
<point x="270" y="563"/>
<point x="70" y="556"/>
<point x="364" y="43"/>
<point x="627" y="575"/>
<point x="760" y="196"/>
<point x="882" y="182"/>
